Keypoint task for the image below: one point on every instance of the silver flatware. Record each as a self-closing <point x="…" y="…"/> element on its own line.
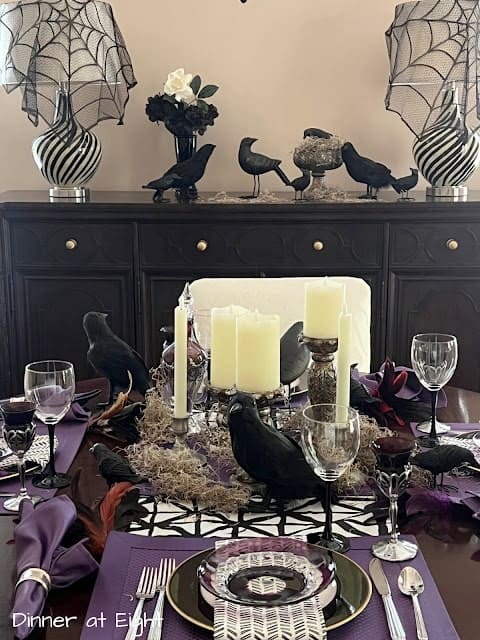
<point x="379" y="578"/>
<point x="165" y="570"/>
<point x="410" y="583"/>
<point x="145" y="590"/>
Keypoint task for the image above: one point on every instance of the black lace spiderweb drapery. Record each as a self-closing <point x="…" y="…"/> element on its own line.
<point x="433" y="46"/>
<point x="73" y="43"/>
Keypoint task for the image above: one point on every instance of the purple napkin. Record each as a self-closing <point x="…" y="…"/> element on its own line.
<point x="411" y="390"/>
<point x="76" y="413"/>
<point x="37" y="543"/>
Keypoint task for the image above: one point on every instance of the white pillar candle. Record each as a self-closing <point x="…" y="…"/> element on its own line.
<point x="323" y="305"/>
<point x="223" y="355"/>
<point x="258" y="353"/>
<point x="344" y="358"/>
<point x="180" y="364"/>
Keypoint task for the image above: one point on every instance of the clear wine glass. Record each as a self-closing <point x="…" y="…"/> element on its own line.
<point x="50" y="384"/>
<point x="330" y="439"/>
<point x="19" y="432"/>
<point x="434" y="359"/>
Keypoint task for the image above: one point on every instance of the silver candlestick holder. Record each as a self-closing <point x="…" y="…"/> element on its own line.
<point x="181" y="429"/>
<point x="322" y="380"/>
<point x="218" y="401"/>
<point x="392" y="485"/>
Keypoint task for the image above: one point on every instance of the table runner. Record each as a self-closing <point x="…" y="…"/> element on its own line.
<point x="70" y="436"/>
<point x="111" y="602"/>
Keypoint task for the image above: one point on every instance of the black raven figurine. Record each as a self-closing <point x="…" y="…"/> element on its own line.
<point x="403" y="185"/>
<point x="301" y="183"/>
<point x="112" y="357"/>
<point x="256" y="164"/>
<point x="268" y="455"/>
<point x="444" y="458"/>
<point x="294" y="354"/>
<point x="182" y="175"/>
<point x="366" y="171"/>
<point x="113" y="467"/>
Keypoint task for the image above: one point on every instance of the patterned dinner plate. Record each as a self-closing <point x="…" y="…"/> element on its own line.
<point x="10" y="473"/>
<point x="354" y="592"/>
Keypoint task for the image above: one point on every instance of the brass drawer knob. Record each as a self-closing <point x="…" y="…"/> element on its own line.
<point x="202" y="245"/>
<point x="452" y="244"/>
<point x="318" y="245"/>
<point x="71" y="244"/>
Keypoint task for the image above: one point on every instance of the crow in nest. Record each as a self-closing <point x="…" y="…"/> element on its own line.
<point x="366" y="171"/>
<point x="403" y="185"/>
<point x="268" y="455"/>
<point x="182" y="175"/>
<point x="313" y="132"/>
<point x="256" y="164"/>
<point x="444" y="458"/>
<point x="301" y="183"/>
<point x="112" y="357"/>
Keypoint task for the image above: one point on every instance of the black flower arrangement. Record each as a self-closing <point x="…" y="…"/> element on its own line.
<point x="182" y="106"/>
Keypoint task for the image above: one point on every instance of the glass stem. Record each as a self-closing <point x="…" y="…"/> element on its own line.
<point x="393" y="494"/>
<point x="21" y="473"/>
<point x="51" y="442"/>
<point x="327" y="532"/>
<point x="433" y="430"/>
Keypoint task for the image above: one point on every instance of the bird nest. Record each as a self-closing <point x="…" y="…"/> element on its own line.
<point x="176" y="474"/>
<point x="321" y="154"/>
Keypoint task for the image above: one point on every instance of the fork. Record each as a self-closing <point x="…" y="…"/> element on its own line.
<point x="165" y="570"/>
<point x="145" y="591"/>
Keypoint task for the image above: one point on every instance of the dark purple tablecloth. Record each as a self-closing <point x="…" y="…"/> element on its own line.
<point x="125" y="555"/>
<point x="70" y="436"/>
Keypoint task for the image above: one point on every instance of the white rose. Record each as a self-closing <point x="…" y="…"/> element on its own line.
<point x="178" y="85"/>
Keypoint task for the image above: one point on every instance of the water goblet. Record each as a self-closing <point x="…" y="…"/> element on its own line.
<point x="434" y="359"/>
<point x="50" y="384"/>
<point x="19" y="432"/>
<point x="330" y="439"/>
<point x="392" y="472"/>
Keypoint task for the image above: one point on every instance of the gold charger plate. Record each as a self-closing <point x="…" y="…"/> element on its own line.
<point x="183" y="592"/>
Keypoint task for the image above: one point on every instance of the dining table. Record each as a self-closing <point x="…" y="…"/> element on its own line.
<point x="452" y="552"/>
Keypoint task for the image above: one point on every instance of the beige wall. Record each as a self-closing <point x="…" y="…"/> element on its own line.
<point x="282" y="65"/>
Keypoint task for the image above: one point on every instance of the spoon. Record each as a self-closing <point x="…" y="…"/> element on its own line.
<point x="410" y="583"/>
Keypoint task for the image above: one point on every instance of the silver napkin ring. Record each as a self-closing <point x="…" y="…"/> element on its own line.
<point x="37" y="575"/>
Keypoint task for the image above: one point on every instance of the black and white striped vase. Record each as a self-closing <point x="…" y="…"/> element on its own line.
<point x="67" y="154"/>
<point x="448" y="152"/>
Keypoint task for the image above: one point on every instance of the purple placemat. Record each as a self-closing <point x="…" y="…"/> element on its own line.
<point x="125" y="555"/>
<point x="70" y="436"/>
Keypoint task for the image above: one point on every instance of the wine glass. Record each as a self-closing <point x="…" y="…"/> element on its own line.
<point x="19" y="432"/>
<point x="330" y="438"/>
<point x="434" y="359"/>
<point x="50" y="384"/>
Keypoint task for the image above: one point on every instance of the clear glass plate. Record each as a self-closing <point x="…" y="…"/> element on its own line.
<point x="266" y="571"/>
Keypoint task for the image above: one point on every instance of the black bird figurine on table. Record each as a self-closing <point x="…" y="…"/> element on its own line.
<point x="256" y="164"/>
<point x="182" y="176"/>
<point x="403" y="185"/>
<point x="268" y="455"/>
<point x="113" y="467"/>
<point x="444" y="458"/>
<point x="112" y="357"/>
<point x="374" y="174"/>
<point x="301" y="183"/>
<point x="313" y="132"/>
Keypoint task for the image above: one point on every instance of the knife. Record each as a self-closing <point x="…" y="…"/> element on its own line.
<point x="379" y="578"/>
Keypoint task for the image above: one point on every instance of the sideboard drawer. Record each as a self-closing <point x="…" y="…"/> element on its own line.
<point x="85" y="244"/>
<point x="435" y="244"/>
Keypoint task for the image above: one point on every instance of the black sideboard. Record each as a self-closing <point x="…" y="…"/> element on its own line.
<point x="125" y="255"/>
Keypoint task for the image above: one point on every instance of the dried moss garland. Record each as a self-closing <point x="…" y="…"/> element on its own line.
<point x="177" y="474"/>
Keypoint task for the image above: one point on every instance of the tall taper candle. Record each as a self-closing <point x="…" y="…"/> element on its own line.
<point x="180" y="364"/>
<point x="344" y="357"/>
